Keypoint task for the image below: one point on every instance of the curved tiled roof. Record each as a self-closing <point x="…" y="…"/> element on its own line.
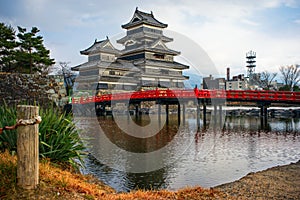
<point x="140" y="17"/>
<point x="143" y="35"/>
<point x="100" y="46"/>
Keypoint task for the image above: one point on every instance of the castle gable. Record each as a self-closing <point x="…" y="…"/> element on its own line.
<point x="140" y="17"/>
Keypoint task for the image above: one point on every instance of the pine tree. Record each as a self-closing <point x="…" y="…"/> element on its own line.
<point x="32" y="55"/>
<point x="7" y="48"/>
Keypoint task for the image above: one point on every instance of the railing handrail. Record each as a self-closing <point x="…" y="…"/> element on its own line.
<point x="242" y="95"/>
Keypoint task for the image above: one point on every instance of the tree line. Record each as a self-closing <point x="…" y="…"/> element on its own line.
<point x="23" y="51"/>
<point x="290" y="76"/>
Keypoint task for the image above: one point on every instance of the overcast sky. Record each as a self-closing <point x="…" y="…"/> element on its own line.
<point x="221" y="31"/>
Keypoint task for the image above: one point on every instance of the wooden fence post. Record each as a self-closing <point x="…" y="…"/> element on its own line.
<point x="28" y="148"/>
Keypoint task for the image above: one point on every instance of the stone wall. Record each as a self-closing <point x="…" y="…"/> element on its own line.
<point x="27" y="88"/>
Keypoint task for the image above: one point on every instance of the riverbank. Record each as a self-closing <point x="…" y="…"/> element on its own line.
<point x="281" y="182"/>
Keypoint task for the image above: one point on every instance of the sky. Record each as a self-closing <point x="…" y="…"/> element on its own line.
<point x="210" y="34"/>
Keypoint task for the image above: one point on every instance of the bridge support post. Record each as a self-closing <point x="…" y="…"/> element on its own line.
<point x="183" y="113"/>
<point x="204" y="114"/>
<point x="128" y="113"/>
<point x="104" y="110"/>
<point x="215" y="115"/>
<point x="263" y="110"/>
<point x="263" y="115"/>
<point x="136" y="110"/>
<point x="112" y="112"/>
<point x="178" y="113"/>
<point x="198" y="115"/>
<point x="159" y="115"/>
<point x="220" y="113"/>
<point x="167" y="114"/>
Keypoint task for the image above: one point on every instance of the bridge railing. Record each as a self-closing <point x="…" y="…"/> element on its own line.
<point x="263" y="95"/>
<point x="239" y="95"/>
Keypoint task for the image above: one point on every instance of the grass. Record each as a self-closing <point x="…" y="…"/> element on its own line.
<point x="56" y="183"/>
<point x="59" y="138"/>
<point x="8" y="139"/>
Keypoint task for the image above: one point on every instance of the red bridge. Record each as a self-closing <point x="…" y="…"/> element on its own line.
<point x="188" y="94"/>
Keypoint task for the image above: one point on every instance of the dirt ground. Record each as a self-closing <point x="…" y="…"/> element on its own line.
<point x="281" y="182"/>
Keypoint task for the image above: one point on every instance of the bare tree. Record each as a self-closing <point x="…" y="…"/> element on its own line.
<point x="290" y="75"/>
<point x="266" y="79"/>
<point x="68" y="77"/>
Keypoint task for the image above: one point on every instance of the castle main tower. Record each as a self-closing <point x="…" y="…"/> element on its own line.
<point x="145" y="46"/>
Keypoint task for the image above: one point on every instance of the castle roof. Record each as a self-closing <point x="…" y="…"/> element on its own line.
<point x="157" y="47"/>
<point x="100" y="46"/>
<point x="143" y="35"/>
<point x="118" y="65"/>
<point x="140" y="17"/>
<point x="159" y="63"/>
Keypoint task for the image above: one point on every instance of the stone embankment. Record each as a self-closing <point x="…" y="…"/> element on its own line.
<point x="28" y="88"/>
<point x="272" y="112"/>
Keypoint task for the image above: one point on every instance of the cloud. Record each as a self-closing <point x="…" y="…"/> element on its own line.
<point x="224" y="30"/>
<point x="226" y="34"/>
<point x="297" y="21"/>
<point x="249" y="22"/>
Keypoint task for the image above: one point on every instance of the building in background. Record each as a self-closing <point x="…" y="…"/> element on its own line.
<point x="238" y="82"/>
<point x="213" y="83"/>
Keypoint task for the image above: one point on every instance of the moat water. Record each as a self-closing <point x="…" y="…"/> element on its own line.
<point x="200" y="157"/>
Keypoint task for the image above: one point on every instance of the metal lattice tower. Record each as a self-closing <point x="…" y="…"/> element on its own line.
<point x="250" y="56"/>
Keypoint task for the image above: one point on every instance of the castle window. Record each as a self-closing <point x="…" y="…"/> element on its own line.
<point x="164" y="72"/>
<point x="151" y="30"/>
<point x="159" y="56"/>
<point x="112" y="73"/>
<point x="102" y="86"/>
<point x="94" y="58"/>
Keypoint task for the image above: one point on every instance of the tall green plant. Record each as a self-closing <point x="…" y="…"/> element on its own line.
<point x="59" y="138"/>
<point x="8" y="139"/>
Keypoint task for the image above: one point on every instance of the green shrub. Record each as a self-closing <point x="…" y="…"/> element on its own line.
<point x="59" y="139"/>
<point x="8" y="139"/>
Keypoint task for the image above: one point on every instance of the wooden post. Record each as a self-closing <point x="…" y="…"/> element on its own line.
<point x="27" y="148"/>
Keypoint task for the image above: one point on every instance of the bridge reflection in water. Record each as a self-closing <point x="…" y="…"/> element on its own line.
<point x="215" y="156"/>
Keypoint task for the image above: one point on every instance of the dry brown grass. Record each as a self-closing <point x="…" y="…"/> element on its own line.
<point x="194" y="193"/>
<point x="56" y="183"/>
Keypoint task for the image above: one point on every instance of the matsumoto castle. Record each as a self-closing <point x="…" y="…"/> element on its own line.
<point x="144" y="63"/>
